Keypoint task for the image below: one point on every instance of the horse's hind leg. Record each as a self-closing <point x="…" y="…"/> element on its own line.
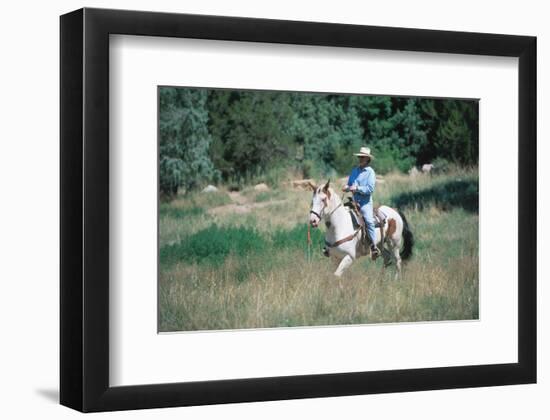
<point x="345" y="263"/>
<point x="397" y="259"/>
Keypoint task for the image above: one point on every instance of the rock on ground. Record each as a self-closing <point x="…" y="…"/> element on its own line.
<point x="261" y="187"/>
<point x="209" y="188"/>
<point x="427" y="168"/>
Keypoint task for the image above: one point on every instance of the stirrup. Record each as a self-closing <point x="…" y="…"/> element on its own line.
<point x="325" y="252"/>
<point x="374" y="252"/>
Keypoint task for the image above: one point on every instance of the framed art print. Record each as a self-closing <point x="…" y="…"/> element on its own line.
<point x="257" y="209"/>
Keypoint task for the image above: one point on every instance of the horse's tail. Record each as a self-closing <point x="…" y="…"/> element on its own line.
<point x="408" y="238"/>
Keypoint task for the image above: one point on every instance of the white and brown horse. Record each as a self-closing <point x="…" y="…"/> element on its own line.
<point x="343" y="241"/>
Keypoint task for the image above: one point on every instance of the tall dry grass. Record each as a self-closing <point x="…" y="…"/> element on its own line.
<point x="281" y="287"/>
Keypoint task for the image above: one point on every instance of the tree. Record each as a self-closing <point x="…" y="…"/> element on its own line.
<point x="328" y="128"/>
<point x="184" y="139"/>
<point x="250" y="131"/>
<point x="394" y="130"/>
<point x="453" y="130"/>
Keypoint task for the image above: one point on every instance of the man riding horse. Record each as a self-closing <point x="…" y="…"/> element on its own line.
<point x="361" y="182"/>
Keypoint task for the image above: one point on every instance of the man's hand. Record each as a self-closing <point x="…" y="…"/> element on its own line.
<point x="345" y="188"/>
<point x="353" y="188"/>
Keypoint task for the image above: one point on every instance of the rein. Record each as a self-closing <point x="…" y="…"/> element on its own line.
<point x="337" y="207"/>
<point x="343" y="240"/>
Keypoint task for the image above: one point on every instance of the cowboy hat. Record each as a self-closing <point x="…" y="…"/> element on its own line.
<point x="364" y="151"/>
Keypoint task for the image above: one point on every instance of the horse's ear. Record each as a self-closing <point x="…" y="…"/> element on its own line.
<point x="313" y="187"/>
<point x="326" y="188"/>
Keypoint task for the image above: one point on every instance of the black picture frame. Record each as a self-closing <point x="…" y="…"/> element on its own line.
<point x="84" y="282"/>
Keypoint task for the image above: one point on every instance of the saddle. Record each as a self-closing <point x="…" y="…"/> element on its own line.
<point x="359" y="222"/>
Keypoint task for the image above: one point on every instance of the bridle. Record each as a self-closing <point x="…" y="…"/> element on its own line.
<point x="323" y="211"/>
<point x="316" y="214"/>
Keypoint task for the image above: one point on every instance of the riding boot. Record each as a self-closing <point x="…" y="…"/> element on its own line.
<point x="365" y="240"/>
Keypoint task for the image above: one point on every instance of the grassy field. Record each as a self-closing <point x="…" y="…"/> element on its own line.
<point x="232" y="260"/>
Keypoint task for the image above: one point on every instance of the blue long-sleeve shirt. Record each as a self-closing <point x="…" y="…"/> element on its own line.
<point x="365" y="180"/>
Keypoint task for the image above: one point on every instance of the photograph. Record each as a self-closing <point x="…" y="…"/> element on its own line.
<point x="282" y="209"/>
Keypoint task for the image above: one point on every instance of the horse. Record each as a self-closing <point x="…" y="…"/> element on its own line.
<point x="344" y="242"/>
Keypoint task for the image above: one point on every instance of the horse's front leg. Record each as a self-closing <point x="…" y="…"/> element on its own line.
<point x="388" y="257"/>
<point x="345" y="263"/>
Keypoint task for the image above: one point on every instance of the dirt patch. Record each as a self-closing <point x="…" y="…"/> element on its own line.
<point x="243" y="207"/>
<point x="237" y="198"/>
<point x="242" y="204"/>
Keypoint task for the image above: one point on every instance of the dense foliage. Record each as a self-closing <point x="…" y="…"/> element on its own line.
<point x="184" y="139"/>
<point x="211" y="135"/>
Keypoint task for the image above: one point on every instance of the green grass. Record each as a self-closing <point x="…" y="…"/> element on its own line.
<point x="175" y="212"/>
<point x="264" y="196"/>
<point x="200" y="199"/>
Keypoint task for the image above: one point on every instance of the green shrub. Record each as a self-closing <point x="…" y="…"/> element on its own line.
<point x="388" y="160"/>
<point x="440" y="166"/>
<point x="296" y="237"/>
<point x="212" y="245"/>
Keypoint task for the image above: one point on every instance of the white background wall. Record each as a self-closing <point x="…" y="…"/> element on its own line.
<point x="29" y="161"/>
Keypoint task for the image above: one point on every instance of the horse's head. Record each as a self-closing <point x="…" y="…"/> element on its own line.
<point x="320" y="203"/>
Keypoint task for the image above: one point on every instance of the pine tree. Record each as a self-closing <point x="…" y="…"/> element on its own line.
<point x="394" y="130"/>
<point x="250" y="131"/>
<point x="184" y="139"/>
<point x="329" y="129"/>
<point x="453" y="130"/>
